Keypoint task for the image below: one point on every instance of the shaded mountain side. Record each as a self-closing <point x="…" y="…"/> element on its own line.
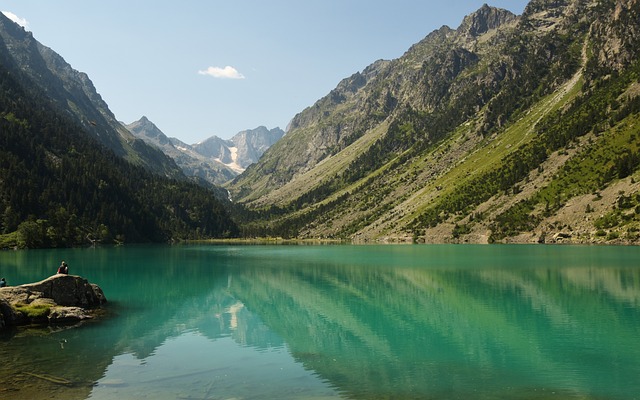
<point x="484" y="133"/>
<point x="74" y="95"/>
<point x="61" y="187"/>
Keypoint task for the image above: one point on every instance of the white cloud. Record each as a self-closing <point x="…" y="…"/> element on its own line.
<point x="20" y="21"/>
<point x="227" y="72"/>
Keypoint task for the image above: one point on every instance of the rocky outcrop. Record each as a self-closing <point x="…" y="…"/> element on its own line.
<point x="485" y="19"/>
<point x="616" y="36"/>
<point x="59" y="298"/>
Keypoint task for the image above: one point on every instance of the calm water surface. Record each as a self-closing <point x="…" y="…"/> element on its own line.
<point x="336" y="322"/>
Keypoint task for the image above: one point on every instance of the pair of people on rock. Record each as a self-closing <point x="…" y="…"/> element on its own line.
<point x="63" y="268"/>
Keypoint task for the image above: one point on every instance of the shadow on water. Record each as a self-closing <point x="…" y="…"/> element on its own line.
<point x="366" y="322"/>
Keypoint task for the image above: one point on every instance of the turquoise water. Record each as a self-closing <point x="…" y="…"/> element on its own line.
<point x="336" y="322"/>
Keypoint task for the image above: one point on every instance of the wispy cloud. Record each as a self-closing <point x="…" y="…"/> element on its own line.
<point x="227" y="72"/>
<point x="20" y="21"/>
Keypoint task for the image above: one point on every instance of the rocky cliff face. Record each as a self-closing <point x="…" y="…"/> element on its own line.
<point x="484" y="20"/>
<point x="251" y="144"/>
<point x="478" y="134"/>
<point x="215" y="148"/>
<point x="74" y="94"/>
<point x="243" y="149"/>
<point x="620" y="35"/>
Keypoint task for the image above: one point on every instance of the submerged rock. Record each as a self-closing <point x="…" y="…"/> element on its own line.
<point x="59" y="298"/>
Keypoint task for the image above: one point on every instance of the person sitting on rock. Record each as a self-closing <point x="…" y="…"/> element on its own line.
<point x="63" y="268"/>
<point x="3" y="283"/>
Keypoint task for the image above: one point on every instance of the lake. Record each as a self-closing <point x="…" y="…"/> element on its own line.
<point x="336" y="322"/>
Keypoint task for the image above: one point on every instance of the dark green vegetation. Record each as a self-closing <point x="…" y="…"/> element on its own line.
<point x="59" y="186"/>
<point x="501" y="130"/>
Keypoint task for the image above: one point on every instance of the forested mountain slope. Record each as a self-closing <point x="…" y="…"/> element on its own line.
<point x="74" y="95"/>
<point x="509" y="128"/>
<point x="60" y="186"/>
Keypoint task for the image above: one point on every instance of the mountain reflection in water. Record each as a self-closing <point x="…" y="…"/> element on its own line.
<point x="340" y="322"/>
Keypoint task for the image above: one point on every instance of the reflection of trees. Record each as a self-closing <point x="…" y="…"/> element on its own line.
<point x="152" y="292"/>
<point x="365" y="328"/>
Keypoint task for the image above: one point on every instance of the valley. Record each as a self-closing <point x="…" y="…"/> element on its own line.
<point x="507" y="129"/>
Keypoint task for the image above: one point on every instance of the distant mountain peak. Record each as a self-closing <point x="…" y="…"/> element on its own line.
<point x="145" y="128"/>
<point x="214" y="159"/>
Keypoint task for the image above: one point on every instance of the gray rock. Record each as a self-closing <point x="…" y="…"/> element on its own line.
<point x="67" y="314"/>
<point x="10" y="315"/>
<point x="68" y="297"/>
<point x="67" y="290"/>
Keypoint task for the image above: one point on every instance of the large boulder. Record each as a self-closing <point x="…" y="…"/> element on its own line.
<point x="59" y="298"/>
<point x="68" y="290"/>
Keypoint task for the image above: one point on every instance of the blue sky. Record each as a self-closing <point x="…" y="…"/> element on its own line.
<point x="203" y="68"/>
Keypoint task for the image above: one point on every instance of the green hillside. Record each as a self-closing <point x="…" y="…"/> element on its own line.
<point x="507" y="129"/>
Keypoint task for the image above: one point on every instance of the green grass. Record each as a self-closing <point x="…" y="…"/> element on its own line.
<point x="33" y="310"/>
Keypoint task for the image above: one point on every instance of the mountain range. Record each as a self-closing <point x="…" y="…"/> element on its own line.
<point x="214" y="160"/>
<point x="506" y="129"/>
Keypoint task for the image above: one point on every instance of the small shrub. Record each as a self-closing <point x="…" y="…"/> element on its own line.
<point x="459" y="230"/>
<point x="9" y="240"/>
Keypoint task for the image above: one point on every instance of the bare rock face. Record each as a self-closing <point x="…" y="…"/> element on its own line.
<point x="66" y="314"/>
<point x="61" y="298"/>
<point x="484" y="20"/>
<point x="617" y="35"/>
